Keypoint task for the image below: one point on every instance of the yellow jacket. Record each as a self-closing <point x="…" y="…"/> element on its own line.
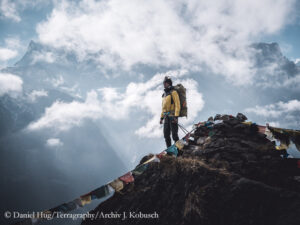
<point x="167" y="105"/>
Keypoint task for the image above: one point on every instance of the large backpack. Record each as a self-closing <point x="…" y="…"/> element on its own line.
<point x="181" y="90"/>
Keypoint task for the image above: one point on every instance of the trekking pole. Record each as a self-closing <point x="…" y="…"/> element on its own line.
<point x="186" y="137"/>
<point x="184" y="131"/>
<point x="182" y="128"/>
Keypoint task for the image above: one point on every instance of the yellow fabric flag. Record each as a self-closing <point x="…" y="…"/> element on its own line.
<point x="86" y="199"/>
<point x="247" y="123"/>
<point x="179" y="144"/>
<point x="117" y="184"/>
<point x="151" y="159"/>
<point x="282" y="146"/>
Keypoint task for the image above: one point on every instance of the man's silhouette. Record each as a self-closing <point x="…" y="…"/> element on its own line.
<point x="170" y="111"/>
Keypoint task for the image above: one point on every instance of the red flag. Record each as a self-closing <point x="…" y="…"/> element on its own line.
<point x="160" y="155"/>
<point x="127" y="178"/>
<point x="261" y="129"/>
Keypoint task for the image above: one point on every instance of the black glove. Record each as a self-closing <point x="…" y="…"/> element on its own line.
<point x="161" y="120"/>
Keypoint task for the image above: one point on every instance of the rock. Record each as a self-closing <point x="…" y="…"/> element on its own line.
<point x="241" y="117"/>
<point x="200" y="140"/>
<point x="217" y="117"/>
<point x="210" y="119"/>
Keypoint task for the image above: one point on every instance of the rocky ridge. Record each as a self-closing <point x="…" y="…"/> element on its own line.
<point x="229" y="174"/>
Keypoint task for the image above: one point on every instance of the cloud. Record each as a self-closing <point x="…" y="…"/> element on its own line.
<point x="188" y="34"/>
<point x="59" y="82"/>
<point x="279" y="114"/>
<point x="54" y="142"/>
<point x="56" y="82"/>
<point x="43" y="57"/>
<point x="113" y="104"/>
<point x="292" y="82"/>
<point x="9" y="10"/>
<point x="274" y="124"/>
<point x="7" y="54"/>
<point x="35" y="94"/>
<point x="13" y="42"/>
<point x="276" y="110"/>
<point x="11" y="49"/>
<point x="63" y="116"/>
<point x="10" y="84"/>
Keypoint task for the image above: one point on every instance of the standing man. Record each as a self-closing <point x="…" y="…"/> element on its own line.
<point x="170" y="111"/>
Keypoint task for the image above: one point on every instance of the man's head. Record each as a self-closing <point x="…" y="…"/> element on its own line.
<point x="167" y="82"/>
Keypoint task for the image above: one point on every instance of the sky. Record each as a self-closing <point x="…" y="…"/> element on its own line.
<point x="86" y="93"/>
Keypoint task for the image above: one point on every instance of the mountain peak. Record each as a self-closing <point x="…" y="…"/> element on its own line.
<point x="35" y="46"/>
<point x="31" y="45"/>
<point x="27" y="58"/>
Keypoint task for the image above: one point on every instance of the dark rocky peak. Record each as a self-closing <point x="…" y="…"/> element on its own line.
<point x="269" y="55"/>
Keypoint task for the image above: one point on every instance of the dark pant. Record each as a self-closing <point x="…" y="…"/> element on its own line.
<point x="169" y="127"/>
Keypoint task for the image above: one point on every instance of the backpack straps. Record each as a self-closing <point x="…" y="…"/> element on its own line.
<point x="172" y="101"/>
<point x="169" y="93"/>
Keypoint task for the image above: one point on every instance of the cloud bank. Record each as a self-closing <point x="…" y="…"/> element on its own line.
<point x="277" y="109"/>
<point x="185" y="34"/>
<point x="64" y="116"/>
<point x="283" y="114"/>
<point x="115" y="105"/>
